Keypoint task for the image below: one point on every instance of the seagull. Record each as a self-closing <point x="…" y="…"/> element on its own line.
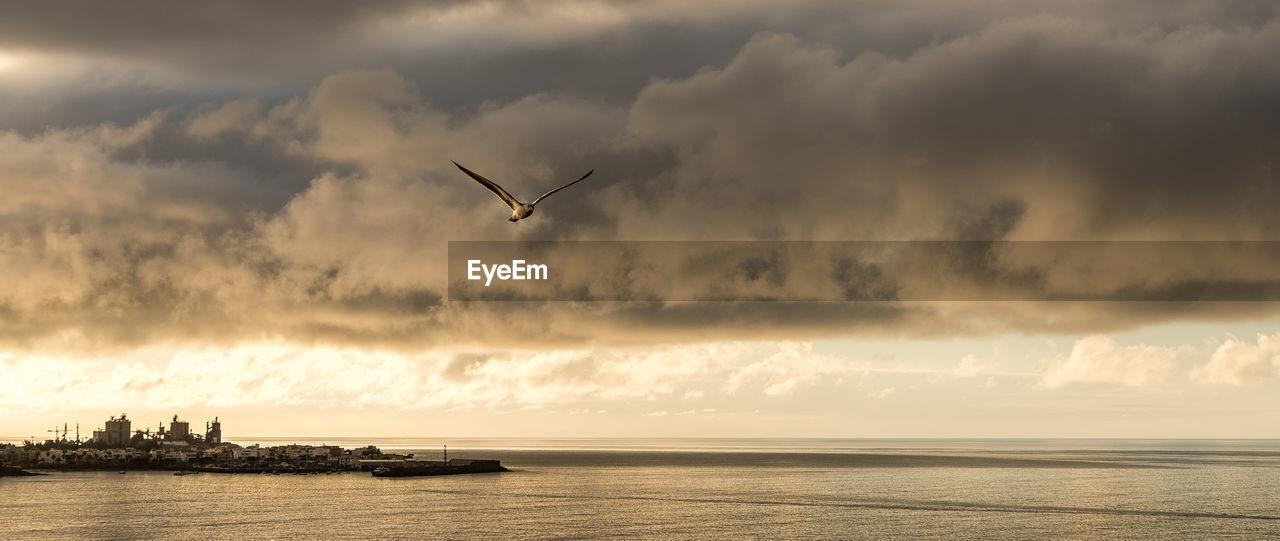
<point x="518" y="210"/>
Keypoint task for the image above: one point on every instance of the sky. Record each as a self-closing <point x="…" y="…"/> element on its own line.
<point x="242" y="210"/>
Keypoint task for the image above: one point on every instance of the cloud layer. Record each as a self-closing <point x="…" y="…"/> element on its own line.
<point x="318" y="211"/>
<point x="658" y="380"/>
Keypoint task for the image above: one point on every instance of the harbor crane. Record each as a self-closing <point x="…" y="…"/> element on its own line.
<point x="64" y="432"/>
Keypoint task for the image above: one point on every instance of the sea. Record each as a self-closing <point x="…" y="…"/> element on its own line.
<point x="694" y="489"/>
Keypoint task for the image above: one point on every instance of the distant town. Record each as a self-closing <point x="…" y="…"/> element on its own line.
<point x="118" y="446"/>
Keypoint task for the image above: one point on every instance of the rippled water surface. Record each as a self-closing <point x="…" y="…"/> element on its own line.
<point x="705" y="489"/>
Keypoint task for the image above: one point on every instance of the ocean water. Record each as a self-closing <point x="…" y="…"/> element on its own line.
<point x="697" y="489"/>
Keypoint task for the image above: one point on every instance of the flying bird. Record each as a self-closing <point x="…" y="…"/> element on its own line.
<point x="518" y="210"/>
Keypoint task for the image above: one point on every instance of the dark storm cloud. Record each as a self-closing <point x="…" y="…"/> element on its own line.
<point x="234" y="31"/>
<point x="119" y="61"/>
<point x="257" y="204"/>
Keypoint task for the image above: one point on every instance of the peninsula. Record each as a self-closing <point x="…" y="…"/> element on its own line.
<point x="117" y="446"/>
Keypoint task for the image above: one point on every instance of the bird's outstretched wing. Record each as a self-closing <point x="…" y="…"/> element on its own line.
<point x="493" y="187"/>
<point x="543" y="196"/>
